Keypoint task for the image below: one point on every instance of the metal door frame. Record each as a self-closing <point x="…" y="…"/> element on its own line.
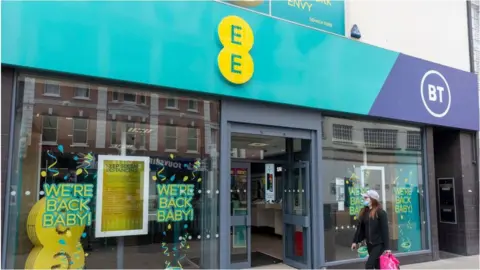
<point x="243" y="220"/>
<point x="276" y="120"/>
<point x="297" y="220"/>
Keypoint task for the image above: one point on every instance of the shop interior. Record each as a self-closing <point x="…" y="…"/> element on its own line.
<point x="259" y="164"/>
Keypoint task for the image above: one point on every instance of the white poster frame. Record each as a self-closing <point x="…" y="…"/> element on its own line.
<point x="374" y="168"/>
<point x="99" y="203"/>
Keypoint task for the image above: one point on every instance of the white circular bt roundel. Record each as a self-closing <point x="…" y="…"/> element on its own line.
<point x="432" y="89"/>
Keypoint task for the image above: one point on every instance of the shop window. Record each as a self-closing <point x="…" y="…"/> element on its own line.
<point x="193" y="105"/>
<point x="80" y="131"/>
<point x="380" y="138"/>
<point x="373" y="161"/>
<point x="49" y="129"/>
<point x="170" y="138"/>
<point x="82" y="91"/>
<point x="58" y="153"/>
<point x="172" y="103"/>
<point x="129" y="97"/>
<point x="52" y="88"/>
<point x="192" y="144"/>
<point x="342" y="134"/>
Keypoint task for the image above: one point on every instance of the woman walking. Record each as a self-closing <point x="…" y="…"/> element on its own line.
<point x="373" y="228"/>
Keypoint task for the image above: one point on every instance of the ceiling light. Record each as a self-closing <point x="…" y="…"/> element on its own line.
<point x="257" y="144"/>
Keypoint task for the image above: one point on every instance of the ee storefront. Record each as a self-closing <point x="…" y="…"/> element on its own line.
<point x="232" y="141"/>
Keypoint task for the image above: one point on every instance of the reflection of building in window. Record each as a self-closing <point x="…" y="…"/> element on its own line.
<point x="171" y="138"/>
<point x="80" y="130"/>
<point x="414" y="140"/>
<point x="113" y="132"/>
<point x="49" y="131"/>
<point x="380" y="138"/>
<point x="82" y="91"/>
<point x="143" y="99"/>
<point x="172" y="103"/>
<point x="52" y="88"/>
<point x="342" y="133"/>
<point x="129" y="98"/>
<point x="193" y="105"/>
<point x="142" y="136"/>
<point x="192" y="143"/>
<point x="130" y="128"/>
<point x="115" y="95"/>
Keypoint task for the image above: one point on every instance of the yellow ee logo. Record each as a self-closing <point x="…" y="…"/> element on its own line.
<point x="234" y="60"/>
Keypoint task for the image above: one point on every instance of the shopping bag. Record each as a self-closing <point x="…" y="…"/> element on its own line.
<point x="389" y="262"/>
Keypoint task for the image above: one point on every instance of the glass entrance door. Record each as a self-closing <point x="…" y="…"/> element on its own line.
<point x="296" y="213"/>
<point x="240" y="205"/>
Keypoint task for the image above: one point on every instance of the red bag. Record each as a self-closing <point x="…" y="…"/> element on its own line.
<point x="389" y="262"/>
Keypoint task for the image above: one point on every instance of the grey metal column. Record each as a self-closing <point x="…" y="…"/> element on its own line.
<point x="121" y="239"/>
<point x="224" y="195"/>
<point x="6" y="202"/>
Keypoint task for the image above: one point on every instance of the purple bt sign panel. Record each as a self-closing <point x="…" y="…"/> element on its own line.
<point x="420" y="91"/>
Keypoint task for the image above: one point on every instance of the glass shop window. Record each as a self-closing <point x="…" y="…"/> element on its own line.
<point x="362" y="155"/>
<point x="82" y="162"/>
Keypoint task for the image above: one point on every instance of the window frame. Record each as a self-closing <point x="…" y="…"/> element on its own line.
<point x="81" y="86"/>
<point x="140" y="96"/>
<point x="167" y="106"/>
<point x="82" y="130"/>
<point x="197" y="138"/>
<point x="51" y="82"/>
<point x="170" y="137"/>
<point x="195" y="109"/>
<point x="115" y="92"/>
<point x="113" y="132"/>
<point x="130" y="101"/>
<point x="56" y="130"/>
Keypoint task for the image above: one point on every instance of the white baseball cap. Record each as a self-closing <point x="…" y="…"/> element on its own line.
<point x="372" y="194"/>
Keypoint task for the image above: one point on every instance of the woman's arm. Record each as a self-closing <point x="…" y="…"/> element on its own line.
<point x="384" y="230"/>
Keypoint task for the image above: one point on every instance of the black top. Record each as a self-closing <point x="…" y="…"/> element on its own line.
<point x="373" y="230"/>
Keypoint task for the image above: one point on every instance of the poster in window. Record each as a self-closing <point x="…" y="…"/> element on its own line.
<point x="122" y="196"/>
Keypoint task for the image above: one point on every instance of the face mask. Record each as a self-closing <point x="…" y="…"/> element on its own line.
<point x="366" y="202"/>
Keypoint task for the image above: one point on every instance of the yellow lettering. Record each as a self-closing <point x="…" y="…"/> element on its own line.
<point x="51" y="205"/>
<point x="71" y="219"/>
<point x="51" y="190"/>
<point x="66" y="190"/>
<point x="77" y="191"/>
<point x="88" y="190"/>
<point x="160" y="215"/>
<point x="84" y="205"/>
<point x="162" y="202"/>
<point x="47" y="220"/>
<point x="325" y="2"/>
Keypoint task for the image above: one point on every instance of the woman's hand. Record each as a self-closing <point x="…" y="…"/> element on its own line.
<point x="354" y="246"/>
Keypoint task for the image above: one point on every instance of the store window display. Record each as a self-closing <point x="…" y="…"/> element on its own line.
<point x="63" y="129"/>
<point x="362" y="155"/>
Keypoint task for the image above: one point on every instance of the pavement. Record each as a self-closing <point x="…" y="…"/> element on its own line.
<point x="467" y="262"/>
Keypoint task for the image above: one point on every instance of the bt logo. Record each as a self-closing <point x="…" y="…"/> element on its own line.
<point x="234" y="60"/>
<point x="435" y="93"/>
